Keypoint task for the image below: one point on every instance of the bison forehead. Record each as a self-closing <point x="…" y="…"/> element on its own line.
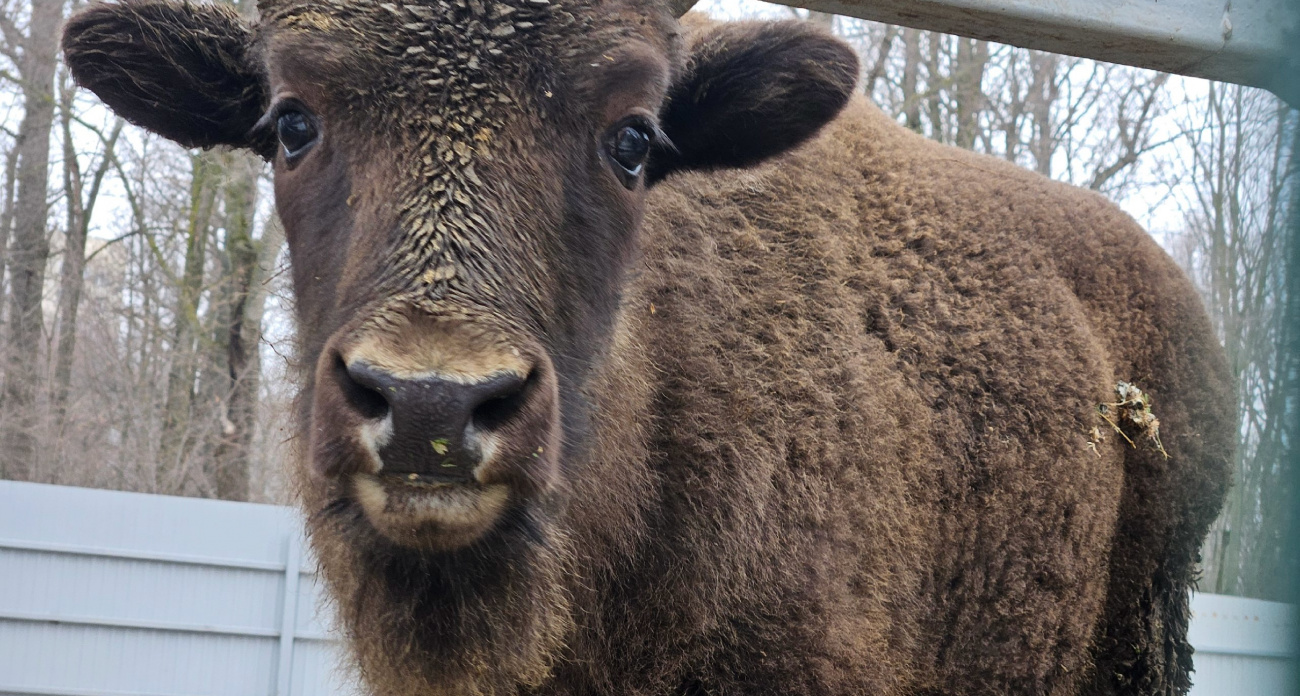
<point x="444" y="57"/>
<point x="441" y="74"/>
<point x="441" y="79"/>
<point x="454" y="58"/>
<point x="453" y="91"/>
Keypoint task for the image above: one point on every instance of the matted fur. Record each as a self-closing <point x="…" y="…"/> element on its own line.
<point x="825" y="422"/>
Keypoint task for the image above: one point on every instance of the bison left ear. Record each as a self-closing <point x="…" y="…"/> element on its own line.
<point x="187" y="71"/>
<point x="752" y="90"/>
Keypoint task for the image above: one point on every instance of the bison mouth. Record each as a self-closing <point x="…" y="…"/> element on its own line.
<point x="424" y="511"/>
<point x="435" y="580"/>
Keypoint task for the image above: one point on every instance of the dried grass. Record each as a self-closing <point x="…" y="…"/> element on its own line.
<point x="1132" y="408"/>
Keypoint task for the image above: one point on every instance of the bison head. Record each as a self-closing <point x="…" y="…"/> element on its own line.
<point x="461" y="183"/>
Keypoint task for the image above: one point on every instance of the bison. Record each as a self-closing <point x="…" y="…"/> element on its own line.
<point x="641" y="357"/>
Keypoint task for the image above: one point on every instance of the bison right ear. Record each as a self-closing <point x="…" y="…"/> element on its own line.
<point x="750" y="91"/>
<point x="188" y="72"/>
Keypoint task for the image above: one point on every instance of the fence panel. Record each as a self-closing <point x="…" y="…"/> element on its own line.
<point x="1243" y="646"/>
<point x="105" y="593"/>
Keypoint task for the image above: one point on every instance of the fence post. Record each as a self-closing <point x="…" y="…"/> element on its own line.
<point x="289" y="619"/>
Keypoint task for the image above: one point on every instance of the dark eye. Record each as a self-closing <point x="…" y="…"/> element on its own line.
<point x="296" y="132"/>
<point x="629" y="148"/>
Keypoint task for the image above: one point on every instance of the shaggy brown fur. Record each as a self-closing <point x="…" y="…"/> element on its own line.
<point x="819" y="427"/>
<point x="955" y="322"/>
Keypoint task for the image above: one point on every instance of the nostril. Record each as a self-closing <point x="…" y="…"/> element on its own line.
<point x="507" y="399"/>
<point x="361" y="392"/>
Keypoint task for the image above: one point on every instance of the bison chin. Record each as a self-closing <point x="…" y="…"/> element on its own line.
<point x="484" y="619"/>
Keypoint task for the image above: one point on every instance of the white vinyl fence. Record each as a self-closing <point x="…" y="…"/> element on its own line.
<point x="104" y="593"/>
<point x="109" y="593"/>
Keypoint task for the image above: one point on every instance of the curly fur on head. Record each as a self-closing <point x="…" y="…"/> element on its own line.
<point x="820" y="426"/>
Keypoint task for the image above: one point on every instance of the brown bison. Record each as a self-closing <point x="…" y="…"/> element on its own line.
<point x="619" y="381"/>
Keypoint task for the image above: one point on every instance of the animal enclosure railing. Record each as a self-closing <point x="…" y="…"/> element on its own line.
<point x="104" y="593"/>
<point x="1250" y="42"/>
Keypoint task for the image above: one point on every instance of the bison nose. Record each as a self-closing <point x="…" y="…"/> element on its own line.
<point x="441" y="428"/>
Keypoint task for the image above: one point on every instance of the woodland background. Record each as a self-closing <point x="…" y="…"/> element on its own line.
<point x="145" y="330"/>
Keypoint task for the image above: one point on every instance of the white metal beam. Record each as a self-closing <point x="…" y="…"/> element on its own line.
<point x="1252" y="42"/>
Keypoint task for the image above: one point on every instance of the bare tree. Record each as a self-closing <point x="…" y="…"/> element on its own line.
<point x="177" y="435"/>
<point x="1043" y="92"/>
<point x="240" y="298"/>
<point x="1136" y="109"/>
<point x="972" y="57"/>
<point x="30" y="248"/>
<point x="7" y="219"/>
<point x="1242" y="171"/>
<point x="911" y="106"/>
<point x="80" y="205"/>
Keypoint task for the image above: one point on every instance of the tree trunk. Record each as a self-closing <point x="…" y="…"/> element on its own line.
<point x="972" y="56"/>
<point x="176" y="431"/>
<point x="7" y="224"/>
<point x="1043" y="92"/>
<point x="934" y="87"/>
<point x="239" y="330"/>
<point x="911" y="67"/>
<point x="882" y="62"/>
<point x="1014" y="110"/>
<point x="80" y="205"/>
<point x="31" y="246"/>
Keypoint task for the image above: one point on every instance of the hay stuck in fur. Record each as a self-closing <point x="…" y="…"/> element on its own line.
<point x="1134" y="407"/>
<point x="1095" y="437"/>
